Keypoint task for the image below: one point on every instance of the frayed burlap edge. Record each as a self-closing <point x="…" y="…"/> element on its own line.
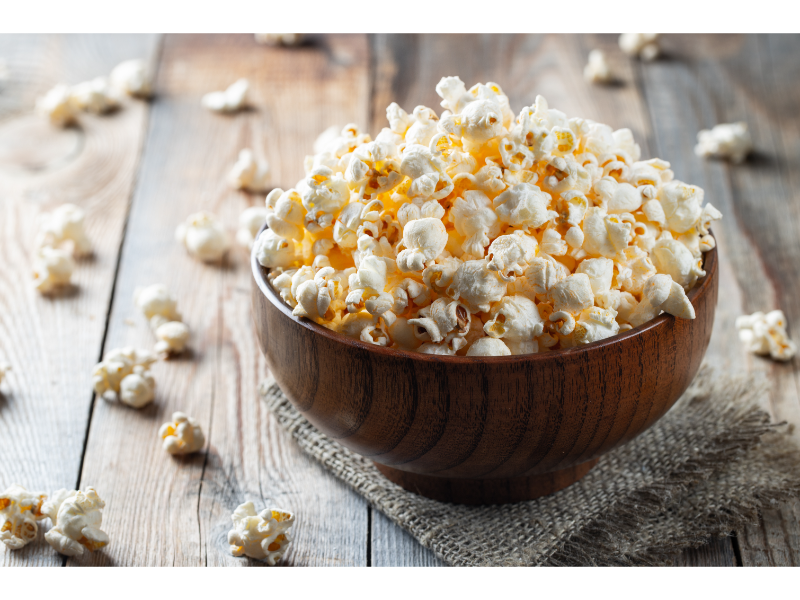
<point x="706" y="468"/>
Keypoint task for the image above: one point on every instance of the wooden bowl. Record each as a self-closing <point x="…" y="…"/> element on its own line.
<point x="484" y="430"/>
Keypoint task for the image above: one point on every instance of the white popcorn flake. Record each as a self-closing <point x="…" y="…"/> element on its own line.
<point x="182" y="435"/>
<point x="52" y="269"/>
<point x="251" y="221"/>
<point x="643" y="45"/>
<point x="65" y="227"/>
<point x="726" y="140"/>
<point x="172" y="337"/>
<point x="203" y="236"/>
<point x="230" y="100"/>
<point x="133" y="78"/>
<point x="597" y="69"/>
<point x="95" y="96"/>
<point x="155" y="300"/>
<point x="19" y="512"/>
<point x="263" y="535"/>
<point x="280" y="39"/>
<point x="488" y="346"/>
<point x="77" y="517"/>
<point x="765" y="334"/>
<point x="58" y="106"/>
<point x="443" y="230"/>
<point x="123" y="375"/>
<point x="249" y="173"/>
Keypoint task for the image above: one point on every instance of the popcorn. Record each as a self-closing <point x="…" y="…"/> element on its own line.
<point x="539" y="230"/>
<point x="249" y="173"/>
<point x="172" y="337"/>
<point x="95" y="96"/>
<point x="155" y="300"/>
<point x="262" y="536"/>
<point x="597" y="70"/>
<point x="58" y="106"/>
<point x="19" y="512"/>
<point x="77" y="517"/>
<point x="182" y="435"/>
<point x="280" y="39"/>
<point x="52" y="269"/>
<point x="765" y="334"/>
<point x="250" y="222"/>
<point x="123" y="374"/>
<point x="133" y="78"/>
<point x="65" y="225"/>
<point x="643" y="45"/>
<point x="231" y="100"/>
<point x="203" y="236"/>
<point x="727" y="140"/>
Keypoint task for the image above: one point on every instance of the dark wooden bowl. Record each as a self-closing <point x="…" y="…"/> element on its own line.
<point x="484" y="429"/>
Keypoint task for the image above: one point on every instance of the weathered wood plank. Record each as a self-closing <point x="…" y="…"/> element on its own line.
<point x="393" y="546"/>
<point x="163" y="511"/>
<point x="52" y="343"/>
<point x="716" y="553"/>
<point x="720" y="79"/>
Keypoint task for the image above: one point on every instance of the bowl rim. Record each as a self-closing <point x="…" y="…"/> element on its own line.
<point x="260" y="277"/>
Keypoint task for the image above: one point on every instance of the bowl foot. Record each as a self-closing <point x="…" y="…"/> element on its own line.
<point x="486" y="491"/>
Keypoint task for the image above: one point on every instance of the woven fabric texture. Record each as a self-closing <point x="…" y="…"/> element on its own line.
<point x="707" y="467"/>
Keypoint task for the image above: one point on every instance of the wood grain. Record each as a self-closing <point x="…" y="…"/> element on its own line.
<point x="53" y="342"/>
<point x="294" y="94"/>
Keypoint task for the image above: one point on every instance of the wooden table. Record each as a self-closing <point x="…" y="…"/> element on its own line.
<point x="142" y="170"/>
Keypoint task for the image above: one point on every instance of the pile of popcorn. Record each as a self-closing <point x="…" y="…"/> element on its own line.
<point x="539" y="232"/>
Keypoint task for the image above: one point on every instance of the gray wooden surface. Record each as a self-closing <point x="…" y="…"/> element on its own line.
<point x="141" y="170"/>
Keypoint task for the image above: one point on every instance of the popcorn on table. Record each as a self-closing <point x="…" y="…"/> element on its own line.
<point x="260" y="535"/>
<point x="161" y="311"/>
<point x="765" y="334"/>
<point x="52" y="269"/>
<point x="77" y="516"/>
<point x="65" y="225"/>
<point x="250" y="221"/>
<point x="597" y="70"/>
<point x="249" y="173"/>
<point x="279" y="39"/>
<point x="232" y="99"/>
<point x="480" y="233"/>
<point x="203" y="236"/>
<point x="643" y="45"/>
<point x="95" y="96"/>
<point x="727" y="140"/>
<point x="182" y="435"/>
<point x="133" y="78"/>
<point x="124" y="375"/>
<point x="19" y="512"/>
<point x="58" y="106"/>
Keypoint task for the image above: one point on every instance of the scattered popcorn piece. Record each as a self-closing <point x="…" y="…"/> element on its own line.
<point x="155" y="300"/>
<point x="249" y="173"/>
<point x="19" y="511"/>
<point x="59" y="106"/>
<point x="123" y="374"/>
<point x="260" y="536"/>
<point x="172" y="337"/>
<point x="488" y="346"/>
<point x="643" y="45"/>
<point x="95" y="96"/>
<point x="231" y="100"/>
<point x="204" y="236"/>
<point x="727" y="140"/>
<point x="133" y="78"/>
<point x="597" y="69"/>
<point x="765" y="334"/>
<point x="250" y="222"/>
<point x="65" y="225"/>
<point x="542" y="230"/>
<point x="77" y="517"/>
<point x="52" y="269"/>
<point x="280" y="39"/>
<point x="182" y="435"/>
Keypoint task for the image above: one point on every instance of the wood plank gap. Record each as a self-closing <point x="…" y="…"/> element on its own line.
<point x="737" y="551"/>
<point x="369" y="535"/>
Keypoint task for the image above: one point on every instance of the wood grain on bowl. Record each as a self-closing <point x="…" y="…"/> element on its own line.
<point x="484" y="418"/>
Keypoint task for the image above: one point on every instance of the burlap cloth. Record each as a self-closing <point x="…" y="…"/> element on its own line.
<point x="703" y="470"/>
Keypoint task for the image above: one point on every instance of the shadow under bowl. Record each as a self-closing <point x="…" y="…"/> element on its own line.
<point x="484" y="430"/>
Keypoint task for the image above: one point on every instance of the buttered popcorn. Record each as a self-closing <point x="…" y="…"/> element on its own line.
<point x="765" y="334"/>
<point x="479" y="233"/>
<point x="19" y="512"/>
<point x="77" y="516"/>
<point x="124" y="375"/>
<point x="260" y="535"/>
<point x="182" y="435"/>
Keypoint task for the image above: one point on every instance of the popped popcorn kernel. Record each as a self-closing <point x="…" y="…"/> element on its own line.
<point x="263" y="535"/>
<point x="643" y="45"/>
<point x="765" y="335"/>
<point x="59" y="106"/>
<point x="597" y="70"/>
<point x="476" y="232"/>
<point x="280" y="39"/>
<point x="77" y="516"/>
<point x="182" y="435"/>
<point x="203" y="236"/>
<point x="124" y="375"/>
<point x="249" y="173"/>
<point x="133" y="78"/>
<point x="52" y="269"/>
<point x="19" y="512"/>
<point x="230" y="100"/>
<point x="726" y="140"/>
